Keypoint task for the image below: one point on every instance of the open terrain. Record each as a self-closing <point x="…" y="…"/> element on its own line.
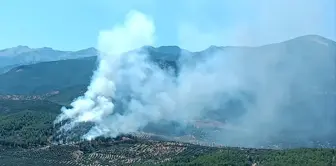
<point x="31" y="97"/>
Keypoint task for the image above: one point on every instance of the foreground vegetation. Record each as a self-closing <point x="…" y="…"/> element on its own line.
<point x="27" y="123"/>
<point x="163" y="153"/>
<point x="26" y="132"/>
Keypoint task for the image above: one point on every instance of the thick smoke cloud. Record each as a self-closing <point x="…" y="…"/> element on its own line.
<point x="255" y="96"/>
<point x="96" y="104"/>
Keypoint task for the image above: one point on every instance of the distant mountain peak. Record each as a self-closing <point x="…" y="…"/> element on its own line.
<point x="169" y="49"/>
<point x="162" y="49"/>
<point x="319" y="39"/>
<point x="91" y="50"/>
<point x="213" y="48"/>
<point x="22" y="47"/>
<point x="19" y="47"/>
<point x="313" y="38"/>
<point x="47" y="48"/>
<point x="15" y="50"/>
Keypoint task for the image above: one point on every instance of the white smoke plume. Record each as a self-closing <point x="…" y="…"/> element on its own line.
<point x="272" y="83"/>
<point x="155" y="94"/>
<point x="96" y="104"/>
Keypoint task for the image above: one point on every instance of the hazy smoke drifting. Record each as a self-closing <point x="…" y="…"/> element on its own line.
<point x="277" y="93"/>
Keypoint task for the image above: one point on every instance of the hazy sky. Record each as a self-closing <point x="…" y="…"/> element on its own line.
<point x="191" y="24"/>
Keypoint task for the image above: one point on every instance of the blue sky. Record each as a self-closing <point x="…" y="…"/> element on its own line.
<point x="191" y="24"/>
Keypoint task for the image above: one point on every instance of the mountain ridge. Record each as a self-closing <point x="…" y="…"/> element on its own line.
<point x="63" y="72"/>
<point x="24" y="55"/>
<point x="164" y="48"/>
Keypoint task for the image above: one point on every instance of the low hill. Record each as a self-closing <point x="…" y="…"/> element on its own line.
<point x="47" y="76"/>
